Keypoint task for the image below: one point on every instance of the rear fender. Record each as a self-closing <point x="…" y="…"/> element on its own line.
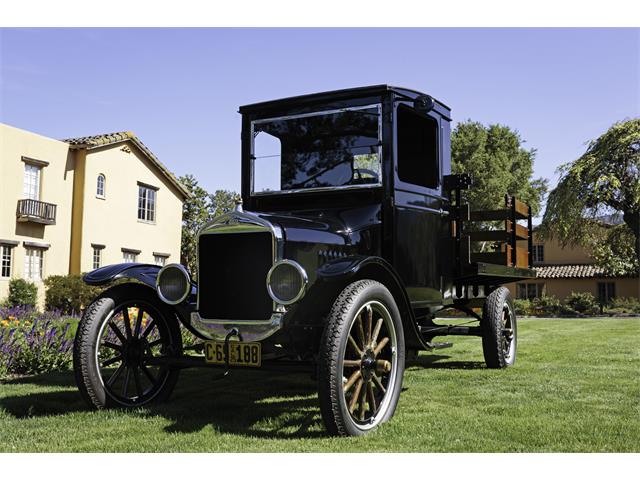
<point x="346" y="270"/>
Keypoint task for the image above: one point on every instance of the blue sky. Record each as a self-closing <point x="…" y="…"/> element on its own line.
<point x="179" y="89"/>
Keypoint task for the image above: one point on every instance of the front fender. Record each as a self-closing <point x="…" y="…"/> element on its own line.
<point x="143" y="272"/>
<point x="346" y="270"/>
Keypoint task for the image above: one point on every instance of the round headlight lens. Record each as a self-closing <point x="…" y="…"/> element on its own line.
<point x="286" y="282"/>
<point x="173" y="283"/>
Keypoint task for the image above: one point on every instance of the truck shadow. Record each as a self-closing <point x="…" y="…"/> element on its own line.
<point x="277" y="406"/>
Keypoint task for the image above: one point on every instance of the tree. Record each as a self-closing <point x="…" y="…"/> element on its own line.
<point x="197" y="211"/>
<point x="498" y="164"/>
<point x="604" y="180"/>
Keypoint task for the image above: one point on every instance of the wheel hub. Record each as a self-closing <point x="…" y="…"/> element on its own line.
<point x="368" y="364"/>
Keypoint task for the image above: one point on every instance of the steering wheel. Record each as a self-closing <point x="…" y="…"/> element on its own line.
<point x="360" y="171"/>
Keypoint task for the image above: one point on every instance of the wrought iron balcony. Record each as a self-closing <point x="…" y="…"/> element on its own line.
<point x="36" y="211"/>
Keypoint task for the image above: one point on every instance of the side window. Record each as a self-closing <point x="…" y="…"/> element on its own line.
<point x="538" y="253"/>
<point x="418" y="159"/>
<point x="100" y="184"/>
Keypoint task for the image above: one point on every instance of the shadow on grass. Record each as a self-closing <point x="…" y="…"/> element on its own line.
<point x="442" y="362"/>
<point x="251" y="403"/>
<point x="245" y="403"/>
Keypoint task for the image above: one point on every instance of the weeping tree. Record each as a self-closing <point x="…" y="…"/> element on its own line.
<point x="605" y="180"/>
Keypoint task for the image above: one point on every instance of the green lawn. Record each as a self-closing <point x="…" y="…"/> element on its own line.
<point x="574" y="388"/>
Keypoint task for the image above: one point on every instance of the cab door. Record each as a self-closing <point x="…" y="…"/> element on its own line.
<point x="420" y="208"/>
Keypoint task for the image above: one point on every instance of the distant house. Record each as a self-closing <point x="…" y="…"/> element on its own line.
<point x="561" y="271"/>
<point x="70" y="206"/>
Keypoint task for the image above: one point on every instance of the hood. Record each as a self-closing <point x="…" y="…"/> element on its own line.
<point x="336" y="226"/>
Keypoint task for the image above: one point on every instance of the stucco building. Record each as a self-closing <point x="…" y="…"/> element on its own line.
<point x="70" y="206"/>
<point x="561" y="271"/>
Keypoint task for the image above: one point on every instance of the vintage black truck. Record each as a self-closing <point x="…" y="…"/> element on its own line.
<point x="350" y="238"/>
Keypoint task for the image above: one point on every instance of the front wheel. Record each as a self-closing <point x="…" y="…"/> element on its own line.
<point x="361" y="360"/>
<point x="499" y="329"/>
<point x="117" y="347"/>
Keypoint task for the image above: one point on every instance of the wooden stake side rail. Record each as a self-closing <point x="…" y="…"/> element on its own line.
<point x="510" y="255"/>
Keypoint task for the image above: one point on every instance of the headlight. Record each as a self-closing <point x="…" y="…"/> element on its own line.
<point x="173" y="283"/>
<point x="286" y="282"/>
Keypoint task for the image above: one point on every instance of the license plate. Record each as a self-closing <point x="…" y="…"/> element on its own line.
<point x="241" y="354"/>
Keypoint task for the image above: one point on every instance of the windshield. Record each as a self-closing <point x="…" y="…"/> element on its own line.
<point x="338" y="148"/>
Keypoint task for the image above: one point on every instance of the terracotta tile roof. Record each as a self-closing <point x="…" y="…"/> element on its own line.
<point x="117" y="137"/>
<point x="570" y="271"/>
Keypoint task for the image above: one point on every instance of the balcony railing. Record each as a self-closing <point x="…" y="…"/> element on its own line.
<point x="36" y="211"/>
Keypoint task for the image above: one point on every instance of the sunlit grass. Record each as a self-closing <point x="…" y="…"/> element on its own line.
<point x="575" y="387"/>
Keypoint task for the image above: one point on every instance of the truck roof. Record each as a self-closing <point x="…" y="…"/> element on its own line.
<point x="345" y="93"/>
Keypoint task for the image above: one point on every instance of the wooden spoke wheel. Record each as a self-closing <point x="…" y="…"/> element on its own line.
<point x="362" y="360"/>
<point x="119" y="340"/>
<point x="499" y="329"/>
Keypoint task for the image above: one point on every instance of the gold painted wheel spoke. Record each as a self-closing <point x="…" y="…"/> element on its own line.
<point x="383" y="366"/>
<point x="372" y="398"/>
<point x="352" y="379"/>
<point x="380" y="346"/>
<point x="354" y="345"/>
<point x="376" y="331"/>
<point x="378" y="383"/>
<point x="352" y="363"/>
<point x="356" y="395"/>
<point x="360" y="332"/>
<point x="363" y="397"/>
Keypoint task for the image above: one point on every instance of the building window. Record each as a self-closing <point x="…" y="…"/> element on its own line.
<point x="146" y="203"/>
<point x="33" y="261"/>
<point x="529" y="291"/>
<point x="129" y="255"/>
<point x="31" y="185"/>
<point x="100" y="186"/>
<point x="538" y="253"/>
<point x="606" y="292"/>
<point x="5" y="260"/>
<point x="160" y="259"/>
<point x="97" y="257"/>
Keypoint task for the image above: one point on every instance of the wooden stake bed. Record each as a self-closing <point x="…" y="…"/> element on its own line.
<point x="490" y="256"/>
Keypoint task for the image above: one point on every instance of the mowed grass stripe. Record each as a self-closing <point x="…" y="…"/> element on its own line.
<point x="575" y="388"/>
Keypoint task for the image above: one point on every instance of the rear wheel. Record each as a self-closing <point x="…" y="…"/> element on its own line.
<point x="499" y="329"/>
<point x="361" y="360"/>
<point x="119" y="340"/>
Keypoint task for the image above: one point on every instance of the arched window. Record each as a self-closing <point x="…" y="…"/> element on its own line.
<point x="100" y="186"/>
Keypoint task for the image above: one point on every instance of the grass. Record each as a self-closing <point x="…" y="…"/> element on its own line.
<point x="574" y="388"/>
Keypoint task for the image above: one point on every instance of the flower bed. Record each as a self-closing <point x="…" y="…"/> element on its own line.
<point x="32" y="342"/>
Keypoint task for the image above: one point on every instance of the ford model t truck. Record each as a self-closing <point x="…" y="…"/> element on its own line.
<point x="350" y="238"/>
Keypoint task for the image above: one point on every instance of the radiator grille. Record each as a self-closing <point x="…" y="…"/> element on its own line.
<point x="232" y="272"/>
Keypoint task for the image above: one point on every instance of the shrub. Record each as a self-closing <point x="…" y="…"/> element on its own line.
<point x="582" y="302"/>
<point x="522" y="306"/>
<point x="546" y="305"/>
<point x="22" y="292"/>
<point x="68" y="293"/>
<point x="624" y="305"/>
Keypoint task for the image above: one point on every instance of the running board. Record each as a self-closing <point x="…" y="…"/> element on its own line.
<point x="439" y="345"/>
<point x="451" y="330"/>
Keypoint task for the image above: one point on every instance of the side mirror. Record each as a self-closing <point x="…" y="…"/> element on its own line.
<point x="423" y="103"/>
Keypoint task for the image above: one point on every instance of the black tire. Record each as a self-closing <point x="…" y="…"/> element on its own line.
<point x="97" y="334"/>
<point x="499" y="329"/>
<point x="369" y="307"/>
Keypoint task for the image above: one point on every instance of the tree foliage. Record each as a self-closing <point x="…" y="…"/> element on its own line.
<point x="498" y="164"/>
<point x="604" y="180"/>
<point x="197" y="211"/>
